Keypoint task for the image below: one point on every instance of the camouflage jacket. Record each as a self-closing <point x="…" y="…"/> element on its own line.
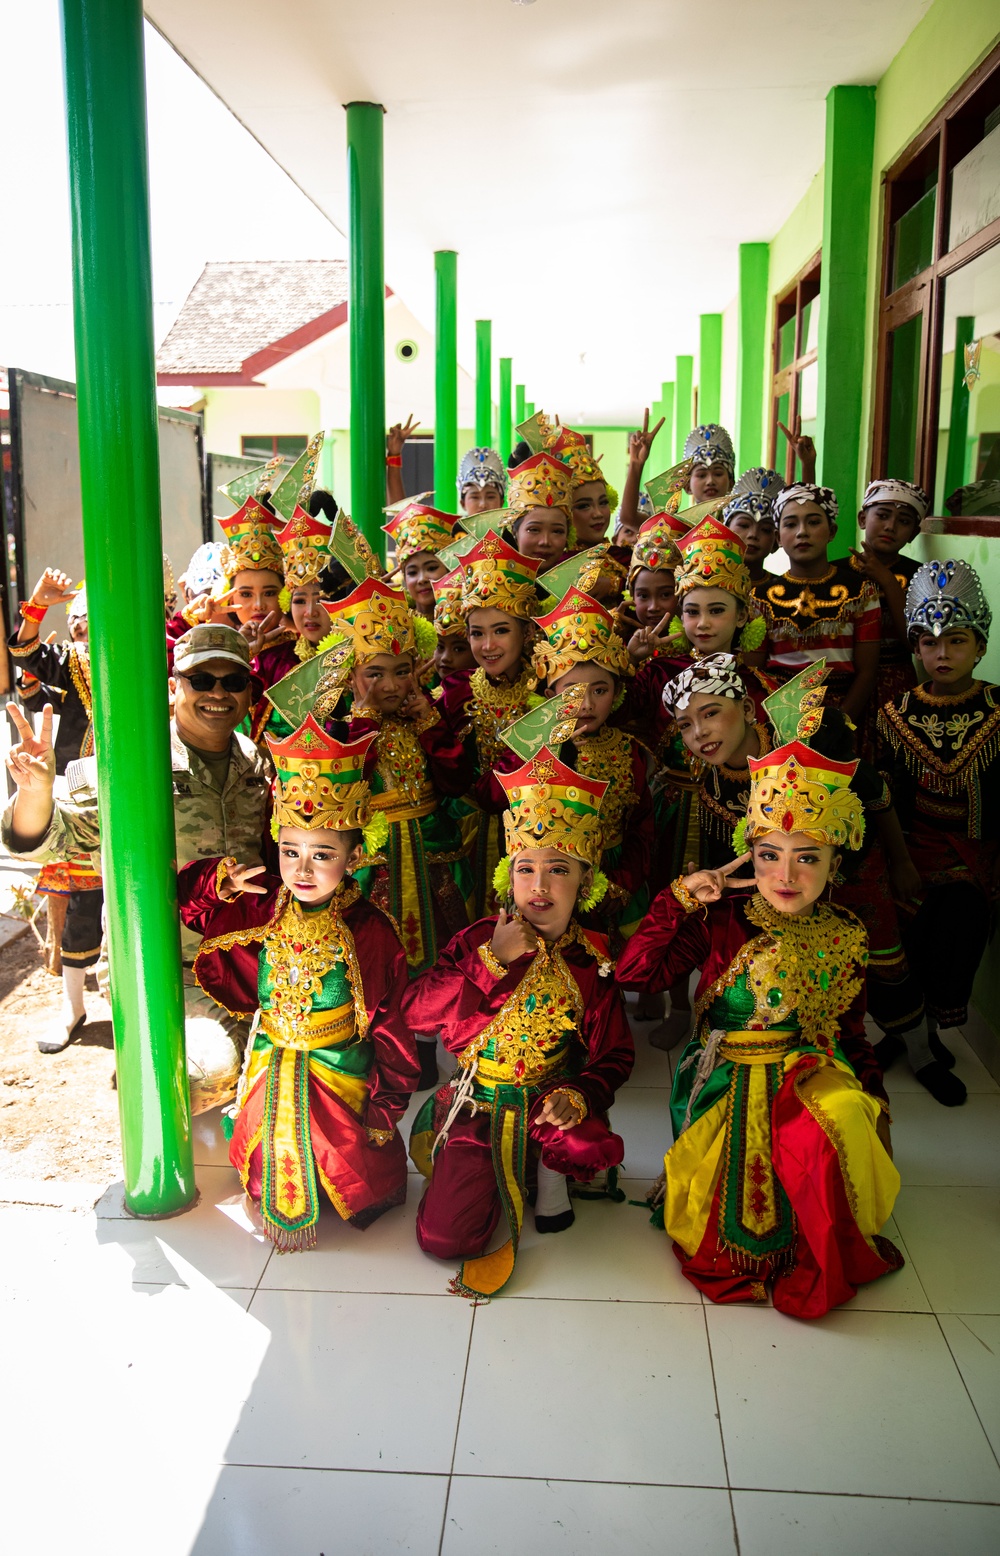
<point x="206" y="823"/>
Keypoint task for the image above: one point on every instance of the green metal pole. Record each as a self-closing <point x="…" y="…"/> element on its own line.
<point x="519" y="405"/>
<point x="710" y="368"/>
<point x="119" y="483"/>
<point x="484" y="380"/>
<point x="529" y="409"/>
<point x="665" y="441"/>
<point x="958" y="422"/>
<point x="446" y="380"/>
<point x="843" y="319"/>
<point x="750" y="353"/>
<point x="683" y="403"/>
<point x="506" y="428"/>
<point x="366" y="313"/>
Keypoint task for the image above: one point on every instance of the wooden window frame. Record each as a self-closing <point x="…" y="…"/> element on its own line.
<point x="785" y="380"/>
<point x="924" y="294"/>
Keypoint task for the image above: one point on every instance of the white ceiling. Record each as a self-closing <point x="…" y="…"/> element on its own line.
<point x="596" y="163"/>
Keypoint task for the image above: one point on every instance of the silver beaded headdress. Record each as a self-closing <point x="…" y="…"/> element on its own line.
<point x="482" y="467"/>
<point x="947" y="597"/>
<point x="710" y="444"/>
<point x="754" y="493"/>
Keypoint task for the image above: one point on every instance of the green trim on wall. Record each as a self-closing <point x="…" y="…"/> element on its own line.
<point x="751" y="353"/>
<point x="484" y="383"/>
<point x="850" y="141"/>
<point x="710" y="368"/>
<point x="683" y="403"/>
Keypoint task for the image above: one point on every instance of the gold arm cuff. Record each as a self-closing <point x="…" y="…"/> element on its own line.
<point x="379" y="1136"/>
<point x="492" y="963"/>
<point x="428" y="721"/>
<point x="687" y="899"/>
<point x="577" y="1098"/>
<point x="222" y="870"/>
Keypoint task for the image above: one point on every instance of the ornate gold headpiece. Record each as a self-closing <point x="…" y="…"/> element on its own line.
<point x="448" y="618"/>
<point x="377" y="620"/>
<point x="579" y="631"/>
<point x="656" y="545"/>
<point x="551" y="806"/>
<point x="305" y="546"/>
<point x="418" y="527"/>
<point x="320" y="781"/>
<point x="496" y="577"/>
<point x="251" y="542"/>
<point x="712" y="558"/>
<point x="540" y="482"/>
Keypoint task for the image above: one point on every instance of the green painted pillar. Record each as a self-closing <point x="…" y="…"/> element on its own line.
<point x="665" y="442"/>
<point x="958" y="421"/>
<point x="710" y="368"/>
<point x="519" y="405"/>
<point x="119" y="484"/>
<point x="366" y="317"/>
<point x="484" y="383"/>
<point x="850" y="146"/>
<point x="446" y="380"/>
<point x="683" y="403"/>
<point x="751" y="351"/>
<point x="529" y="409"/>
<point x="506" y="428"/>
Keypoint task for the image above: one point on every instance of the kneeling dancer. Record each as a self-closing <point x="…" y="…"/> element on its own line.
<point x="527" y="1002"/>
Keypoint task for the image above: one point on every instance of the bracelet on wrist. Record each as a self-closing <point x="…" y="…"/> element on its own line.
<point x="492" y="962"/>
<point x="687" y="899"/>
<point x="32" y="612"/>
<point x="394" y="461"/>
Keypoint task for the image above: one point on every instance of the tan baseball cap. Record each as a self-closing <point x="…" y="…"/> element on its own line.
<point x="202" y="644"/>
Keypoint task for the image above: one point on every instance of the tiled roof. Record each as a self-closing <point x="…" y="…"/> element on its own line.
<point x="239" y="307"/>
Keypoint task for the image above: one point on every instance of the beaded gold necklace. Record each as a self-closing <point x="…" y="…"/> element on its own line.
<point x="811" y="967"/>
<point x="494" y="705"/>
<point x="300" y="948"/>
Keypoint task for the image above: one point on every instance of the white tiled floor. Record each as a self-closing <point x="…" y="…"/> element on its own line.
<point x="175" y="1387"/>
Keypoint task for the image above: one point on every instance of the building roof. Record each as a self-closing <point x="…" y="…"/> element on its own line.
<point x="243" y="315"/>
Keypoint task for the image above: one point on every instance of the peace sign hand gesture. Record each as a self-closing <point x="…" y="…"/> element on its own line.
<point x="640" y="443"/>
<point x="398" y="434"/>
<point x="238" y="878"/>
<point x="32" y="763"/>
<point x="647" y="640"/>
<point x="259" y="634"/>
<point x="709" y="885"/>
<point x="803" y="447"/>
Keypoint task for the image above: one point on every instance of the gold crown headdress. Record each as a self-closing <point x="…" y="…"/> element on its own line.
<point x="571" y="448"/>
<point x="305" y="546"/>
<point x="376" y="619"/>
<point x="656" y="545"/>
<point x="320" y="782"/>
<point x="496" y="577"/>
<point x="712" y="558"/>
<point x="795" y="789"/>
<point x="418" y="527"/>
<point x="251" y="542"/>
<point x="579" y="631"/>
<point x="540" y="482"/>
<point x="551" y="806"/>
<point x="448" y="618"/>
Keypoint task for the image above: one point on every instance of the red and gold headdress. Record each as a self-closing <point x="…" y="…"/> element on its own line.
<point x="794" y="789"/>
<point x="251" y="543"/>
<point x="496" y="577"/>
<point x="377" y="620"/>
<point x="540" y="482"/>
<point x="656" y="545"/>
<point x="305" y="546"/>
<point x="320" y="781"/>
<point x="448" y="618"/>
<point x="417" y="527"/>
<point x="579" y="631"/>
<point x="712" y="558"/>
<point x="551" y="806"/>
<point x="571" y="448"/>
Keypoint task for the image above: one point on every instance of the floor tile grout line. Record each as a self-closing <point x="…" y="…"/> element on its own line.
<point x="458" y="1424"/>
<point x="961" y="1374"/>
<point x="722" y="1435"/>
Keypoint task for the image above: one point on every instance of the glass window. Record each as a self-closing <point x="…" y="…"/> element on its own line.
<point x="904" y="392"/>
<point x="968" y="422"/>
<point x="796" y="374"/>
<point x="264" y="445"/>
<point x="913" y="238"/>
<point x="975" y="189"/>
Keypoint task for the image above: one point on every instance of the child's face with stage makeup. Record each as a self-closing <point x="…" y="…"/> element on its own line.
<point x="792" y="871"/>
<point x="453" y="654"/>
<point x="545" y="883"/>
<point x="708" y="481"/>
<point x="481" y="499"/>
<point x="384" y="683"/>
<point x="711" y="619"/>
<point x="951" y="659"/>
<point x="309" y="618"/>
<point x="591" y="513"/>
<point x="714" y="728"/>
<point x="255" y="594"/>
<point x="497" y="642"/>
<point x="541" y="533"/>
<point x="652" y="595"/>
<point x="598" y="698"/>
<point x="757" y="534"/>
<point x="804" y="533"/>
<point x="313" y="861"/>
<point x="419" y="573"/>
<point x="888" y="527"/>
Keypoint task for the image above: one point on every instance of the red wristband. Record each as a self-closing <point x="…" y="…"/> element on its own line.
<point x="35" y="613"/>
<point x="394" y="461"/>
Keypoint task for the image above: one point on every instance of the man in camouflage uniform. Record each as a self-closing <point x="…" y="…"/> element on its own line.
<point x="221" y="784"/>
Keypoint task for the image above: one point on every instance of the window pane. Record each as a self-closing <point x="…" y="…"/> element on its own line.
<point x="913" y="239"/>
<point x="810" y="326"/>
<point x="968" y="449"/>
<point x="786" y="343"/>
<point x="904" y="387"/>
<point x="808" y="398"/>
<point x="783" y="411"/>
<point x="975" y="190"/>
<point x="293" y="446"/>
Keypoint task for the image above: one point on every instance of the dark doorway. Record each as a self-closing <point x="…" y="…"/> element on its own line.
<point x="418" y="465"/>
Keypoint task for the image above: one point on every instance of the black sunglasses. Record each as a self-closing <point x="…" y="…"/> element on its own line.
<point x="201" y="681"/>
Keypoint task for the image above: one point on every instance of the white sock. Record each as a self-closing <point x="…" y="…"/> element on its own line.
<point x="73" y="980"/>
<point x="918" y="1045"/>
<point x="553" y="1193"/>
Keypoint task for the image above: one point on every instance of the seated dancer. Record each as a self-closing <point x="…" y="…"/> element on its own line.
<point x="482" y="481"/>
<point x="422" y="877"/>
<point x="819" y="609"/>
<point x="749" y="513"/>
<point x="714" y="462"/>
<point x="779" y="1167"/>
<point x="499" y="600"/>
<point x="539" y="498"/>
<point x="330" y="1064"/>
<point x="526" y="1002"/>
<point x="419" y="533"/>
<point x="58" y="674"/>
<point x="890" y="518"/>
<point x="723" y="729"/>
<point x="580" y="645"/>
<point x="940" y="743"/>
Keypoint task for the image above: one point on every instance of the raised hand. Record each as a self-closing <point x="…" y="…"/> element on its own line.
<point x="238" y="878"/>
<point x="260" y="634"/>
<point x="513" y="937"/>
<point x="709" y="885"/>
<point x="416" y="706"/>
<point x="640" y="443"/>
<point x="32" y="762"/>
<point x="53" y="588"/>
<point x="803" y="447"/>
<point x="398" y="434"/>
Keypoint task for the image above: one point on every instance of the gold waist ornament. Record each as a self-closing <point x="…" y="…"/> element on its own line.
<point x="319" y="1029"/>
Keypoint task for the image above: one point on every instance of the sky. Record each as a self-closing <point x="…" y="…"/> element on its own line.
<point x="214" y="192"/>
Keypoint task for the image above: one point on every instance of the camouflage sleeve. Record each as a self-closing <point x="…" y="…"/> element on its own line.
<point x="73" y="830"/>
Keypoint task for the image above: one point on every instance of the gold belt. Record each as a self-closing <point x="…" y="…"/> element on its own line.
<point x="397" y="806"/>
<point x="490" y="1074"/>
<point x="756" y="1047"/>
<point x="320" y="1029"/>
